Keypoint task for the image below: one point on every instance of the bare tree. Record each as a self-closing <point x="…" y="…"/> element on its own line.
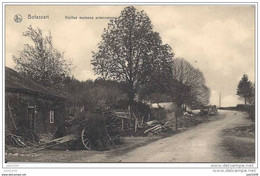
<point x="41" y="61"/>
<point x="186" y="74"/>
<point x="203" y="95"/>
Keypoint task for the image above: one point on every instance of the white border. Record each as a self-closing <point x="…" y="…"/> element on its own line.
<point x="127" y="165"/>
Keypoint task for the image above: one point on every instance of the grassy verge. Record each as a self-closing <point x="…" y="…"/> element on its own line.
<point x="240" y="143"/>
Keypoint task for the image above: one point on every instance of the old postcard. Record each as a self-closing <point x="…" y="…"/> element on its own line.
<point x="130" y="83"/>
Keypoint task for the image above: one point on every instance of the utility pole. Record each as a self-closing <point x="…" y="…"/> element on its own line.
<point x="219" y="99"/>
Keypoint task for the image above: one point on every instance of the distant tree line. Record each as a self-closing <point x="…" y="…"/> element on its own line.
<point x="98" y="93"/>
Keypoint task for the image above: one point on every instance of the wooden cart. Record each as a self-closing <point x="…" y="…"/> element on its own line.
<point x="77" y="131"/>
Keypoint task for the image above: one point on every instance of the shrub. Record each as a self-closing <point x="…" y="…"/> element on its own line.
<point x="251" y="111"/>
<point x="142" y="109"/>
<point x="158" y="113"/>
<point x="99" y="129"/>
<point x="96" y="131"/>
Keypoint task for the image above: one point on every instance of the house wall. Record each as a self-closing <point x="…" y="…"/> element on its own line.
<point x="168" y="106"/>
<point x="18" y="104"/>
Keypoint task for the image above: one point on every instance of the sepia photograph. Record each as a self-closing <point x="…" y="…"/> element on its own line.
<point x="130" y="83"/>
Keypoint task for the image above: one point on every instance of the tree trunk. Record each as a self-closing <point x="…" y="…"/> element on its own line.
<point x="131" y="101"/>
<point x="176" y="122"/>
<point x="245" y="101"/>
<point x="131" y="96"/>
<point x="178" y="114"/>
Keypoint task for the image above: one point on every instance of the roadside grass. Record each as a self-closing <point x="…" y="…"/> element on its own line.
<point x="190" y="121"/>
<point x="240" y="147"/>
<point x="243" y="131"/>
<point x="240" y="143"/>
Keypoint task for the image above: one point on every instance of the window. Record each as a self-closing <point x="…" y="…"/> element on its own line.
<point x="51" y="116"/>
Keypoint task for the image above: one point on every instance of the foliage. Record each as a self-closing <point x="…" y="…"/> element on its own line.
<point x="142" y="110"/>
<point x="250" y="109"/>
<point x="202" y="97"/>
<point x="179" y="92"/>
<point x="96" y="130"/>
<point x="130" y="51"/>
<point x="100" y="129"/>
<point x="109" y="93"/>
<point x="251" y="99"/>
<point x="90" y="94"/>
<point x="157" y="97"/>
<point x="158" y="114"/>
<point x="251" y="112"/>
<point x="41" y="61"/>
<point x="245" y="88"/>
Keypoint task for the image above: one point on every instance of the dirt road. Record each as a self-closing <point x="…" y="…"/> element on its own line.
<point x="202" y="143"/>
<point x="198" y="144"/>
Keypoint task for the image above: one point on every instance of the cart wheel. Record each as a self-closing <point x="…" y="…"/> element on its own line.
<point x="84" y="139"/>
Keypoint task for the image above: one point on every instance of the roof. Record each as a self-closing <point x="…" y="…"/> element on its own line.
<point x="15" y="82"/>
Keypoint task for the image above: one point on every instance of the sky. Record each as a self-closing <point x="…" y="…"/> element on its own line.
<point x="218" y="40"/>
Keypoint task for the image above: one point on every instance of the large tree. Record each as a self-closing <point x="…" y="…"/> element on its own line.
<point x="245" y="88"/>
<point x="41" y="61"/>
<point x="130" y="51"/>
<point x="196" y="92"/>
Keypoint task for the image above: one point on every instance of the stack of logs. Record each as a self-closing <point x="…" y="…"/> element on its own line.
<point x="156" y="127"/>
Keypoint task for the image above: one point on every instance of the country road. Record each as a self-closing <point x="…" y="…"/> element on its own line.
<point x="198" y="144"/>
<point x="202" y="143"/>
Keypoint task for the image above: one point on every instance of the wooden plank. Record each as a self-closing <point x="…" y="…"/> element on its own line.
<point x="11" y="115"/>
<point x="152" y="128"/>
<point x="47" y="147"/>
<point x="59" y="140"/>
<point x="124" y="115"/>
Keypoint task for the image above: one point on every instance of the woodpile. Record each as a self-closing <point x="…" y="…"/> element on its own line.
<point x="157" y="127"/>
<point x="151" y="127"/>
<point x="54" y="143"/>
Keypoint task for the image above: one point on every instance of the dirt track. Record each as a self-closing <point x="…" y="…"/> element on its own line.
<point x="198" y="144"/>
<point x="202" y="143"/>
